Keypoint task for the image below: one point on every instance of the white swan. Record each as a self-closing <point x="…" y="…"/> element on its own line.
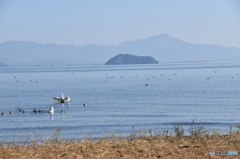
<point x="61" y="99"/>
<point x="51" y="111"/>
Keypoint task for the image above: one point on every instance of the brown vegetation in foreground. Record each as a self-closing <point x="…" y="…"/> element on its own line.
<point x="140" y="147"/>
<point x="137" y="145"/>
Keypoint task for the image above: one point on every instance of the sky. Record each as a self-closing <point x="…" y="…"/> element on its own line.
<point x="110" y="22"/>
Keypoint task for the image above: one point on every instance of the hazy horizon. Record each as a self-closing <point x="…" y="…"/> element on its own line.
<point x="163" y="48"/>
<point x="108" y="22"/>
<point x="113" y="45"/>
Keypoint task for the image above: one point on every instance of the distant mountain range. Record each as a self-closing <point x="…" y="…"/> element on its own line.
<point x="163" y="48"/>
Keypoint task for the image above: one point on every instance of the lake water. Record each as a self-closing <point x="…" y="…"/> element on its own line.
<point x="118" y="98"/>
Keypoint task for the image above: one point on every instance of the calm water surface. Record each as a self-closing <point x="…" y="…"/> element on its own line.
<point x="117" y="98"/>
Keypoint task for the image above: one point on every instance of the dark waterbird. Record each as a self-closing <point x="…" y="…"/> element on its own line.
<point x="37" y="111"/>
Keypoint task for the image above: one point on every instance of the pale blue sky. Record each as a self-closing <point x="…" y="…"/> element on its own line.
<point x="110" y="22"/>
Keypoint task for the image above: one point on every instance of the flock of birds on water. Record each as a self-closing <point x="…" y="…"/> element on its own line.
<point x="61" y="100"/>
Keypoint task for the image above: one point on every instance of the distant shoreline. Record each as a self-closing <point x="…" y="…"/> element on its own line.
<point x="79" y="65"/>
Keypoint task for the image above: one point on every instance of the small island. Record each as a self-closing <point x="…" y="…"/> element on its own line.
<point x="125" y="59"/>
